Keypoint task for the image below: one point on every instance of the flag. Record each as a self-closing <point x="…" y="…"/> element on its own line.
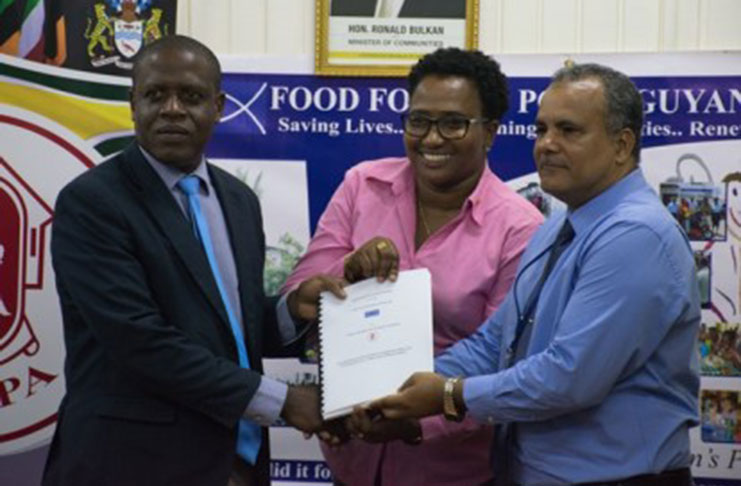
<point x="94" y="110"/>
<point x="22" y="28"/>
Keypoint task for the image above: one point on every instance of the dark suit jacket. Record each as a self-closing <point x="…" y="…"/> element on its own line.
<point x="452" y="9"/>
<point x="154" y="391"/>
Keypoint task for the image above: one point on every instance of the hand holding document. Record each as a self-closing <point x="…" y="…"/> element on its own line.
<point x="374" y="339"/>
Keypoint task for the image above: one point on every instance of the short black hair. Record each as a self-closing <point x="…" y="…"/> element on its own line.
<point x="623" y="102"/>
<point x="183" y="43"/>
<point x="474" y="65"/>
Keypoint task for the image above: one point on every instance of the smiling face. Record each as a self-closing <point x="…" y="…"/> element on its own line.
<point x="445" y="164"/>
<point x="175" y="104"/>
<point x="576" y="157"/>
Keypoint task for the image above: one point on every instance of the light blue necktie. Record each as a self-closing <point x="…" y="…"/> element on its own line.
<point x="249" y="437"/>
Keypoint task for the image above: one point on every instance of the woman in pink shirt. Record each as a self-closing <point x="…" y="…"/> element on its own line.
<point x="441" y="208"/>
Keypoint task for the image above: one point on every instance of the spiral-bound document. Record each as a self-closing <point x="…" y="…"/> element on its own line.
<point x="374" y="339"/>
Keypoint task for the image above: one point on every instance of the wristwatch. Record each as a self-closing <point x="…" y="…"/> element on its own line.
<point x="450" y="411"/>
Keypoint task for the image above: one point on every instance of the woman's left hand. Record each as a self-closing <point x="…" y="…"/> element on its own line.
<point x="378" y="257"/>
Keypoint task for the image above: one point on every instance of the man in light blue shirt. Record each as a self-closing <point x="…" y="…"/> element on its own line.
<point x="590" y="371"/>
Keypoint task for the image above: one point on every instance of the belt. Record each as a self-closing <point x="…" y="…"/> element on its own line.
<point x="675" y="477"/>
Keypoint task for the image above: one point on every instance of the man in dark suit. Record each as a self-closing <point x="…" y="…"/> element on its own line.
<point x="446" y="9"/>
<point x="153" y="312"/>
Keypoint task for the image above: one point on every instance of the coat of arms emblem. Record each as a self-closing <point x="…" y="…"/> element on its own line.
<point x="119" y="29"/>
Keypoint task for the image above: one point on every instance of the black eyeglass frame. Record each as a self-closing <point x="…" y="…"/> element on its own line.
<point x="435" y="122"/>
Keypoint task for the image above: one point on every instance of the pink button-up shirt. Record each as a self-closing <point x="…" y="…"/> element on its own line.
<point x="472" y="260"/>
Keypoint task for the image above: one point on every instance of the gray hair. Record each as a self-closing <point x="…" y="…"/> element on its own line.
<point x="623" y="102"/>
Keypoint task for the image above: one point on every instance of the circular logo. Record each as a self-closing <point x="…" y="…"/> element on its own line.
<point x="43" y="157"/>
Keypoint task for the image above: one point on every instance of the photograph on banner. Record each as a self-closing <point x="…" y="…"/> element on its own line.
<point x="716" y="455"/>
<point x="385" y="37"/>
<point x="283" y="192"/>
<point x="721" y="416"/>
<point x="698" y="206"/>
<point x="719" y="345"/>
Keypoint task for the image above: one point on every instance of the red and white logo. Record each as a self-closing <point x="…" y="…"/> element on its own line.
<point x="41" y="160"/>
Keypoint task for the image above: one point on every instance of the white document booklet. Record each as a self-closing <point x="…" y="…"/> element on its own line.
<point x="374" y="339"/>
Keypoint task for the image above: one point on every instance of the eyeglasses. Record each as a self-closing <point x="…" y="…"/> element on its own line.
<point x="450" y="127"/>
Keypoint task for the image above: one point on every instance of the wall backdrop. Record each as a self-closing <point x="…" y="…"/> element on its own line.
<point x="270" y="27"/>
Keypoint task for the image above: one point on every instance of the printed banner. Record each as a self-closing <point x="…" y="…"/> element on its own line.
<point x="291" y="136"/>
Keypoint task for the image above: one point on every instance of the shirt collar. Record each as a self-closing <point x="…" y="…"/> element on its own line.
<point x="480" y="194"/>
<point x="171" y="176"/>
<point x="582" y="217"/>
<point x="401" y="180"/>
<point x="400" y="177"/>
